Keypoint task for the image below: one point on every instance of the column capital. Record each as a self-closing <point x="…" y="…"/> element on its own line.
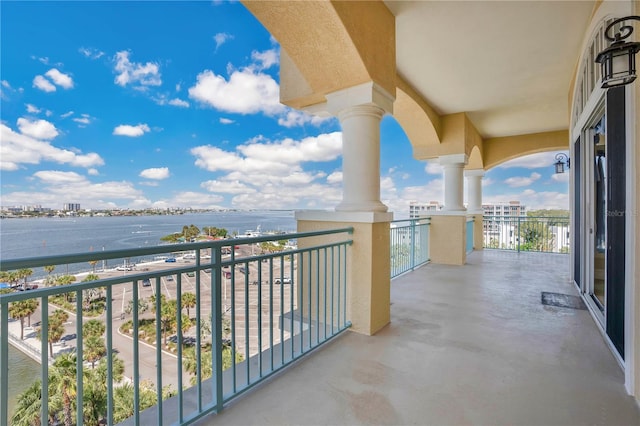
<point x="474" y="173"/>
<point x="368" y="93"/>
<point x="453" y="159"/>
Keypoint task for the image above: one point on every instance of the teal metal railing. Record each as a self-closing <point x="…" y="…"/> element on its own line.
<point x="409" y="245"/>
<point x="526" y="233"/>
<point x="469" y="235"/>
<point x="249" y="316"/>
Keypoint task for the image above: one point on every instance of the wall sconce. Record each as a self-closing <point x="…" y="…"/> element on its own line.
<point x="618" y="61"/>
<point x="560" y="163"/>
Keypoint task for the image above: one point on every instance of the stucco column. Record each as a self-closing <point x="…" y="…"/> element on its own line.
<point x="360" y="110"/>
<point x="474" y="190"/>
<point x="474" y="205"/>
<point x="453" y="168"/>
<point x="361" y="158"/>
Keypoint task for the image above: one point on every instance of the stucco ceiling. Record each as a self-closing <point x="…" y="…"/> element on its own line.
<point x="507" y="64"/>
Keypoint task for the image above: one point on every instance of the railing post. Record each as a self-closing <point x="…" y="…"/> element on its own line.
<point x="4" y="364"/>
<point x="217" y="333"/>
<point x="412" y="243"/>
<point x="518" y="234"/>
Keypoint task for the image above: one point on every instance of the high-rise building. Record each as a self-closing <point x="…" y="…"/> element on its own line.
<point x="417" y="209"/>
<point x="71" y="207"/>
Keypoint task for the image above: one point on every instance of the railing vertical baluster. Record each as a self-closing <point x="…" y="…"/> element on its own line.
<point x="317" y="285"/>
<point x="270" y="311"/>
<point x="109" y="342"/>
<point x="344" y="286"/>
<point x="301" y="300"/>
<point x="4" y="364"/>
<point x="44" y="360"/>
<point x="412" y="243"/>
<point x="291" y="305"/>
<point x="79" y="357"/>
<point x="518" y="218"/>
<point x="136" y="350"/>
<point x="246" y="326"/>
<point x="333" y="285"/>
<point x="216" y="346"/>
<point x="229" y="276"/>
<point x="310" y="297"/>
<point x="270" y="281"/>
<point x="325" y="293"/>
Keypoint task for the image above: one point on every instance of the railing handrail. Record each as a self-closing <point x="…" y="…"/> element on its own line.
<point x="427" y="219"/>
<point x="526" y="217"/>
<point x="34" y="262"/>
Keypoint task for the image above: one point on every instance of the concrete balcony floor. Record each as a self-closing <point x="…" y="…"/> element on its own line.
<point x="466" y="345"/>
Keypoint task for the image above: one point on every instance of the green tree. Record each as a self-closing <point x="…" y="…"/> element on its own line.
<point x="62" y="380"/>
<point x="21" y="310"/>
<point x="55" y="329"/>
<point x="123" y="400"/>
<point x="24" y="274"/>
<point x="93" y="327"/>
<point x="93" y="349"/>
<point x="188" y="301"/>
<point x="66" y="280"/>
<point x="206" y="371"/>
<point x="143" y="306"/>
<point x="28" y="406"/>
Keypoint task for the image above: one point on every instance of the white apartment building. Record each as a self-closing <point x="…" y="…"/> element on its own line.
<point x="417" y="209"/>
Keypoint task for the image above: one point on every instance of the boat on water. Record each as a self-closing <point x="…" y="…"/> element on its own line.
<point x="250" y="233"/>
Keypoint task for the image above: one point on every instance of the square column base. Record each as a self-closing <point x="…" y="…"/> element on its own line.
<point x="448" y="239"/>
<point x="368" y="263"/>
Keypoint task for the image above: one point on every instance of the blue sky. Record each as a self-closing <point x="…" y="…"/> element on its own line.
<point x="165" y="104"/>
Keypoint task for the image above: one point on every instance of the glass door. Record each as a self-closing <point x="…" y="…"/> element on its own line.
<point x="597" y="183"/>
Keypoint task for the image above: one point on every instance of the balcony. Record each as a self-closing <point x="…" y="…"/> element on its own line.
<point x="468" y="344"/>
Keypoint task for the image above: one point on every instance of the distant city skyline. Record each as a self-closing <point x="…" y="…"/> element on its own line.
<point x="162" y="104"/>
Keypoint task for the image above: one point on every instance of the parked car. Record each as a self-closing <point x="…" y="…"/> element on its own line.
<point x="285" y="280"/>
<point x="146" y="282"/>
<point x="169" y="277"/>
<point x="191" y="274"/>
<point x="170" y="260"/>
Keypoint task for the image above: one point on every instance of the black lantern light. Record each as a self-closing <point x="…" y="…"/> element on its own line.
<point x="618" y="61"/>
<point x="560" y="163"/>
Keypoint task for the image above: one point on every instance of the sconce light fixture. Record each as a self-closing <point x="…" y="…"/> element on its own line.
<point x="560" y="163"/>
<point x="618" y="61"/>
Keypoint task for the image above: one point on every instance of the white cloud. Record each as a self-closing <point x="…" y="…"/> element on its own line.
<point x="178" y="87"/>
<point x="59" y="78"/>
<point x="179" y="103"/>
<point x="67" y="114"/>
<point x="221" y="38"/>
<point x="136" y="74"/>
<point x="266" y="59"/>
<point x="278" y="158"/>
<point x="157" y="173"/>
<point x="227" y="187"/>
<point x="291" y="118"/>
<point x="226" y="121"/>
<point x="83" y="120"/>
<point x="433" y="168"/>
<point x="518" y="181"/>
<point x="19" y="149"/>
<point x="54" y="177"/>
<point x="91" y="53"/>
<point x="6" y="84"/>
<point x="32" y="109"/>
<point x="131" y="131"/>
<point x="246" y="92"/>
<point x="560" y="177"/>
<point x="335" y="177"/>
<point x="39" y="129"/>
<point x="43" y="84"/>
<point x="93" y="172"/>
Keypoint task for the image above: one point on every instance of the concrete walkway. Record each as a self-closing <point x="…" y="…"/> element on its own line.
<point x="468" y="345"/>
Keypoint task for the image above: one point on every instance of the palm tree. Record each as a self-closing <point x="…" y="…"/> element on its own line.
<point x="188" y="301"/>
<point x="93" y="264"/>
<point x="29" y="406"/>
<point x="65" y="280"/>
<point x="94" y="349"/>
<point x="55" y="328"/>
<point x="20" y="310"/>
<point x="93" y="328"/>
<point x="25" y="274"/>
<point x="123" y="400"/>
<point x="62" y="379"/>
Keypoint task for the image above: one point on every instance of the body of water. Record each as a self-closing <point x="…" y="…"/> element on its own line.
<point x="20" y="238"/>
<point x="37" y="237"/>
